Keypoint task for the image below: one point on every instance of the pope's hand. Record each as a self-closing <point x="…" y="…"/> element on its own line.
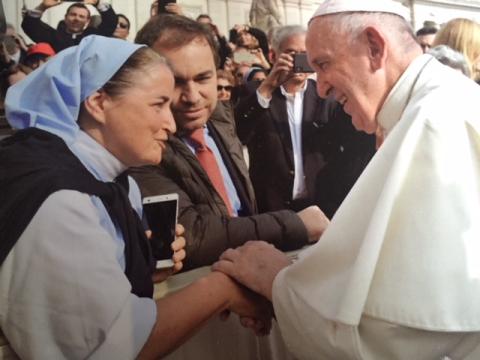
<point x="255" y="265"/>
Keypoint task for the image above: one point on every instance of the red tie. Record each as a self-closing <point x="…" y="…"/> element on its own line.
<point x="207" y="159"/>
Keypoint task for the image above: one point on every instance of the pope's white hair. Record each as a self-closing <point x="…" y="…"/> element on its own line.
<point x="352" y="24"/>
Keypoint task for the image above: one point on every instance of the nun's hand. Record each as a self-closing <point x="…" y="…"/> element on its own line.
<point x="179" y="254"/>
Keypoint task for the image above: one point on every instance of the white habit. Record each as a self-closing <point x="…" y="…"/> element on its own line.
<point x="397" y="273"/>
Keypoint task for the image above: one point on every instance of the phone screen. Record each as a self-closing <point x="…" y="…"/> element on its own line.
<point x="160" y="213"/>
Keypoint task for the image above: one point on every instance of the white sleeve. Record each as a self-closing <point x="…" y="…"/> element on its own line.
<point x="63" y="292"/>
<point x="263" y="101"/>
<point x="309" y="335"/>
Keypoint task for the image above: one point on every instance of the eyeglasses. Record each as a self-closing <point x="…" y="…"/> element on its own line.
<point x="226" y="88"/>
<point x="122" y="25"/>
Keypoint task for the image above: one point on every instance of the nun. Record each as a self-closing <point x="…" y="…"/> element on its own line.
<point x="76" y="266"/>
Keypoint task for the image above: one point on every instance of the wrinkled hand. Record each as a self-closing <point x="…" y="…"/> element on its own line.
<point x="315" y="221"/>
<point x="179" y="254"/>
<point x="255" y="265"/>
<point x="280" y="73"/>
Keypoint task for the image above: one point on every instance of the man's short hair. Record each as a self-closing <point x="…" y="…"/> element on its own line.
<point x="282" y="33"/>
<point x="78" y="5"/>
<point x="204" y="16"/>
<point x="426" y="31"/>
<point x="175" y="31"/>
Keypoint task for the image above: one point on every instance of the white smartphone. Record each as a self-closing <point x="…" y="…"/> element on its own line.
<point x="160" y="213"/>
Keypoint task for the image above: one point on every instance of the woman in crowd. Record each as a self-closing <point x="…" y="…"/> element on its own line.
<point x="76" y="266"/>
<point x="225" y="83"/>
<point x="462" y="35"/>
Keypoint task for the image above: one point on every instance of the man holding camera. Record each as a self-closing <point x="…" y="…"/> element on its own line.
<point x="303" y="149"/>
<point x="74" y="27"/>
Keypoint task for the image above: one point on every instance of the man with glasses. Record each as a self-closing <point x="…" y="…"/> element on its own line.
<point x="123" y="27"/>
<point x="74" y="27"/>
<point x="225" y="83"/>
<point x="303" y="150"/>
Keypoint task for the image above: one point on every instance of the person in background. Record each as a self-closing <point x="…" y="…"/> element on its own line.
<point x="255" y="73"/>
<point x="224" y="51"/>
<point x="303" y="150"/>
<point x="204" y="161"/>
<point x="240" y="74"/>
<point x="426" y="35"/>
<point x="75" y="26"/>
<point x="162" y="7"/>
<point x="225" y="83"/>
<point x="76" y="265"/>
<point x="463" y="35"/>
<point x="250" y="38"/>
<point x="123" y="27"/>
<point x="395" y="275"/>
<point x="11" y="52"/>
<point x="38" y="54"/>
<point x="447" y="56"/>
<point x="250" y="47"/>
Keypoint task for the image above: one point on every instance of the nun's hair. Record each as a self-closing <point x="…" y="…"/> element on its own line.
<point x="126" y="77"/>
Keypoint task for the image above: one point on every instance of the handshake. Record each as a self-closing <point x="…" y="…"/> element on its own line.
<point x="255" y="265"/>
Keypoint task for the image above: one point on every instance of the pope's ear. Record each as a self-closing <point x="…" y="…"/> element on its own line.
<point x="376" y="47"/>
<point x="95" y="104"/>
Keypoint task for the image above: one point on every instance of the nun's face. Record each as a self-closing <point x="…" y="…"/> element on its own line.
<point x="137" y="123"/>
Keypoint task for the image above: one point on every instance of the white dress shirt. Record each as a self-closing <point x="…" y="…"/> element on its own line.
<point x="295" y="115"/>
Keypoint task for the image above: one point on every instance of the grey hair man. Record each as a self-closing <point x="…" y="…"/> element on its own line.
<point x="303" y="149"/>
<point x="395" y="275"/>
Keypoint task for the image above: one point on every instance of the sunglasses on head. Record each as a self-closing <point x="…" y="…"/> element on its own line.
<point x="227" y="88"/>
<point x="122" y="25"/>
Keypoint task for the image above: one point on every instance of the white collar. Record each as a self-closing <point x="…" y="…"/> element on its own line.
<point x="98" y="160"/>
<point x="301" y="91"/>
<point x="399" y="96"/>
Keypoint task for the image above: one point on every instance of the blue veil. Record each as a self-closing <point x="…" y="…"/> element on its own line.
<point x="50" y="97"/>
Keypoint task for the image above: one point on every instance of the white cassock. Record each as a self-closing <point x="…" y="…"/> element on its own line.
<point x="397" y="273"/>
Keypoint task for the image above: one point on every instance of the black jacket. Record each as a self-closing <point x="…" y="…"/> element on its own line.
<point x="59" y="39"/>
<point x="209" y="228"/>
<point x="334" y="153"/>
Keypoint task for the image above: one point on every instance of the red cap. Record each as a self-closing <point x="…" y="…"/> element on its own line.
<point x="41" y="48"/>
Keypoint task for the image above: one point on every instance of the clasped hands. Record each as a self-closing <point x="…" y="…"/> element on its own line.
<point x="255" y="265"/>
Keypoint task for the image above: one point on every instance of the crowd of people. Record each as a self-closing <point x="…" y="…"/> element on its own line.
<point x="356" y="155"/>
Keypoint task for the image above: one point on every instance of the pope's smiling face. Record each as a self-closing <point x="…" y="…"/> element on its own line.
<point x="344" y="71"/>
